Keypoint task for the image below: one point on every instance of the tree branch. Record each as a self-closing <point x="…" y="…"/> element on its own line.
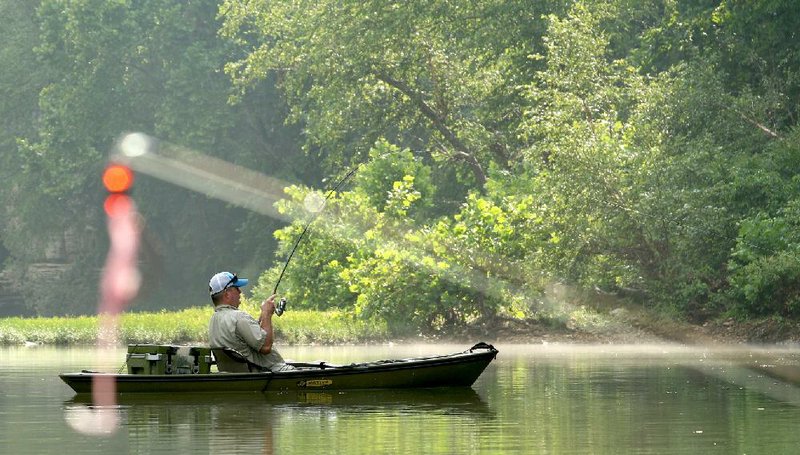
<point x="462" y="152"/>
<point x="758" y="125"/>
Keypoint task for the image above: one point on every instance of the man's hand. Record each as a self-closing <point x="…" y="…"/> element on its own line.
<point x="268" y="306"/>
<point x="265" y="321"/>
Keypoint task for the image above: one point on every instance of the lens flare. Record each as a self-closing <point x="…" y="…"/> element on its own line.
<point x="313" y="202"/>
<point x="117" y="204"/>
<point x="118" y="178"/>
<point x="134" y="145"/>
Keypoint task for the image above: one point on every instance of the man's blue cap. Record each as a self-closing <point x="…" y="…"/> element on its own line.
<point x="224" y="280"/>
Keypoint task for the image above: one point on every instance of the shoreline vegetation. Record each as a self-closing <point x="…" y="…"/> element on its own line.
<point x="187" y="326"/>
<point x="592" y="322"/>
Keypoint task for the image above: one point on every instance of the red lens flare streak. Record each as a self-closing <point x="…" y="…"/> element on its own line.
<point x="119" y="284"/>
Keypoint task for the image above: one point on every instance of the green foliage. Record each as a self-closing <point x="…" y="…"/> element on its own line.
<point x="764" y="265"/>
<point x="645" y="146"/>
<point x="21" y="78"/>
<point x="434" y="75"/>
<point x="363" y="255"/>
<point x="187" y="326"/>
<point x="641" y="180"/>
<point x="344" y="224"/>
<point x="311" y="277"/>
<point x="767" y="286"/>
<point x="588" y="121"/>
<point x="48" y="330"/>
<point x="394" y="181"/>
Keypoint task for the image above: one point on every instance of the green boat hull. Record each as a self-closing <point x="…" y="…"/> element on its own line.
<point x="453" y="370"/>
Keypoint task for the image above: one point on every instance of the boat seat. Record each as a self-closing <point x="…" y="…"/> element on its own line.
<point x="230" y="361"/>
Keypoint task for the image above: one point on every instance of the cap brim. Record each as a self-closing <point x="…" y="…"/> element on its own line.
<point x="240" y="283"/>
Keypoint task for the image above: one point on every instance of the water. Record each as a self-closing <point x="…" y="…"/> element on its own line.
<point x="532" y="399"/>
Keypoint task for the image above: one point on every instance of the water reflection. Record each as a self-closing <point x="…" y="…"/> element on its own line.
<point x="92" y="420"/>
<point x="254" y="420"/>
<point x="656" y="399"/>
<point x="453" y="401"/>
<point x="532" y="399"/>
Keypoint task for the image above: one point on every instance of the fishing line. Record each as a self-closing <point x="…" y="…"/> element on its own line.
<point x="330" y="193"/>
<point x="308" y="224"/>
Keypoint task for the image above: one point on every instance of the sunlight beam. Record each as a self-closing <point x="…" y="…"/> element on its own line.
<point x="254" y="191"/>
<point x="201" y="173"/>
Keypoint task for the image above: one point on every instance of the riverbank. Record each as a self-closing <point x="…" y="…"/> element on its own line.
<point x="711" y="333"/>
<point x="588" y="321"/>
<point x="634" y="325"/>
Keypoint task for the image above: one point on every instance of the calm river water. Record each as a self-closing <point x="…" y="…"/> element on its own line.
<point x="549" y="399"/>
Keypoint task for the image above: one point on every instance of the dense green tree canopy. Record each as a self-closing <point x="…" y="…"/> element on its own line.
<point x="439" y="76"/>
<point x="644" y="148"/>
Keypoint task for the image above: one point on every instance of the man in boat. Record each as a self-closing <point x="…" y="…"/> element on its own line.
<point x="233" y="328"/>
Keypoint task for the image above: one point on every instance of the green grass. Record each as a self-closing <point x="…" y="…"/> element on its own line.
<point x="188" y="326"/>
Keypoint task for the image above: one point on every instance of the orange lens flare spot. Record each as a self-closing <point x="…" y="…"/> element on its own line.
<point x="118" y="178"/>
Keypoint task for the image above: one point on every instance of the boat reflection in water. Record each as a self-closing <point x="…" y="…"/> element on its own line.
<point x="450" y="400"/>
<point x="261" y="422"/>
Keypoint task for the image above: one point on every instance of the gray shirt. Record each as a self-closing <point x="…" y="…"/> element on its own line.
<point x="236" y="329"/>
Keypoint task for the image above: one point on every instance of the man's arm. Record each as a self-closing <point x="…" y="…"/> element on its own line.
<point x="265" y="321"/>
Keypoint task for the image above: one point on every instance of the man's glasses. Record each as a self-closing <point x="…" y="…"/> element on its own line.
<point x="230" y="282"/>
<point x="233" y="280"/>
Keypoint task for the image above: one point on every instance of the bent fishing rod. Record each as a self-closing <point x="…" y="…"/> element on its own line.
<point x="281" y="307"/>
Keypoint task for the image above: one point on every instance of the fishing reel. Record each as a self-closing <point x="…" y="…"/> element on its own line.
<point x="281" y="306"/>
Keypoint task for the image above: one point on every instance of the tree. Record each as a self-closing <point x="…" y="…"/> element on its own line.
<point x="437" y="76"/>
<point x="21" y="77"/>
<point x="153" y="66"/>
<point x="642" y="177"/>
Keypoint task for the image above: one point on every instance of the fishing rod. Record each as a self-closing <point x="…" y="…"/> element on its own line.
<point x="281" y="307"/>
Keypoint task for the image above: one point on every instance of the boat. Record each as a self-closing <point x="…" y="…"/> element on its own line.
<point x="167" y="369"/>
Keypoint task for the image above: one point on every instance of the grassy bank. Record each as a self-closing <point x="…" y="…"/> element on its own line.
<point x="187" y="326"/>
<point x="585" y="318"/>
